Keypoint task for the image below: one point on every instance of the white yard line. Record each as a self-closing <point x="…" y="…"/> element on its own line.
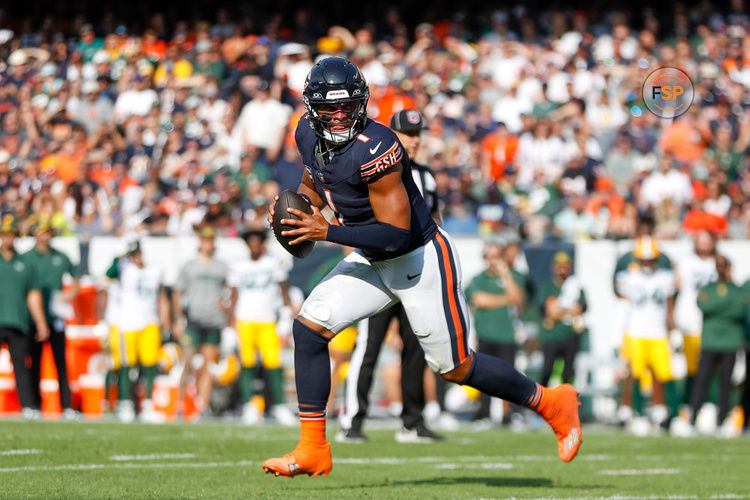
<point x="163" y="465"/>
<point x="6" y="453"/>
<point x="638" y="472"/>
<point x="153" y="456"/>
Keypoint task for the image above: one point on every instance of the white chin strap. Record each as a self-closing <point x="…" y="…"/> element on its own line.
<point x="337" y="137"/>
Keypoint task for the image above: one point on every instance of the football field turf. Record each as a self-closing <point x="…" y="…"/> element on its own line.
<point x="213" y="460"/>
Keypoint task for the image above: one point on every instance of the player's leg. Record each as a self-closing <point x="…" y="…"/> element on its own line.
<point x="570" y="350"/>
<point x="189" y="343"/>
<point x="370" y="336"/>
<point x="57" y="343"/>
<point x="209" y="349"/>
<point x="444" y="338"/>
<point x="548" y="351"/>
<point x="483" y="413"/>
<point x="746" y="392"/>
<point x="329" y="309"/>
<point x="726" y="366"/>
<point x="691" y="347"/>
<point x="412" y="385"/>
<point x="35" y="355"/>
<point x="129" y="352"/>
<point x="18" y="346"/>
<point x="149" y="346"/>
<point x="247" y="334"/>
<point x="700" y="386"/>
<point x="660" y="360"/>
<point x="269" y="346"/>
<point x="340" y="349"/>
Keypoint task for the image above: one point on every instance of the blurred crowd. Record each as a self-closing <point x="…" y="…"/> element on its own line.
<point x="535" y="120"/>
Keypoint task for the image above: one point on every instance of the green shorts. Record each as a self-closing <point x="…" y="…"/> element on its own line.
<point x="198" y="334"/>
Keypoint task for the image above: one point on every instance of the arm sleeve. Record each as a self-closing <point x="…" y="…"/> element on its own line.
<point x="377" y="237"/>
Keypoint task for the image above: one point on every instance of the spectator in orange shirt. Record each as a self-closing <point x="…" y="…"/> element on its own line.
<point x="683" y="139"/>
<point x="498" y="152"/>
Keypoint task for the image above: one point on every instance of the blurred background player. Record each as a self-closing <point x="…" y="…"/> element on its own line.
<point x="51" y="267"/>
<point x="694" y="271"/>
<point x="200" y="314"/>
<point x="725" y="308"/>
<point x="631" y="388"/>
<point x="408" y="126"/>
<point x="20" y="295"/>
<point x="563" y="303"/>
<point x="143" y="305"/>
<point x="492" y="295"/>
<point x="259" y="290"/>
<point x="649" y="291"/>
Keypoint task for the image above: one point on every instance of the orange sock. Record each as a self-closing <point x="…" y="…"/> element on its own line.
<point x="313" y="432"/>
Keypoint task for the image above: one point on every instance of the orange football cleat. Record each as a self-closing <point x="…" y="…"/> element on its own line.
<point x="559" y="407"/>
<point x="309" y="460"/>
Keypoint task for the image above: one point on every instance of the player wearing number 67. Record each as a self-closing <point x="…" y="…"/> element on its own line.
<point x="359" y="169"/>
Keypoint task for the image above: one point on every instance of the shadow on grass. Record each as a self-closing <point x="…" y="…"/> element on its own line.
<point x="494" y="481"/>
<point x="490" y="481"/>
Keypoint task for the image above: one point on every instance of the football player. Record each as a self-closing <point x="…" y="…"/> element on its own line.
<point x="694" y="271"/>
<point x="143" y="306"/>
<point x="259" y="290"/>
<point x="359" y="169"/>
<point x="649" y="291"/>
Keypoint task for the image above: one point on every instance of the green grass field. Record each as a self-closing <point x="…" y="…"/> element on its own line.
<point x="109" y="460"/>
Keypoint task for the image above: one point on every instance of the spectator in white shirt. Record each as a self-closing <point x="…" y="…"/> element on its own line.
<point x="136" y="101"/>
<point x="263" y="122"/>
<point x="667" y="183"/>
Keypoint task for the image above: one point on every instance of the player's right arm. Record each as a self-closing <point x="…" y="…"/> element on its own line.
<point x="307" y="188"/>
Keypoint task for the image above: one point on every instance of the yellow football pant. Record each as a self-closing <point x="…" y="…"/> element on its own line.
<point x="650" y="354"/>
<point x="259" y="338"/>
<point x="137" y="347"/>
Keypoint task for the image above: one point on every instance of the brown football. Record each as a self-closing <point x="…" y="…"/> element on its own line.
<point x="290" y="199"/>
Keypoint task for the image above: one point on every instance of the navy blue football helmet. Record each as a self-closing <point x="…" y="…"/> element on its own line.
<point x="335" y="83"/>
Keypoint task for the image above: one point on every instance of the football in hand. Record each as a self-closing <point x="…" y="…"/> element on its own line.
<point x="289" y="199"/>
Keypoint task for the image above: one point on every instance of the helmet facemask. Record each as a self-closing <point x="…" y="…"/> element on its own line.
<point x="325" y="116"/>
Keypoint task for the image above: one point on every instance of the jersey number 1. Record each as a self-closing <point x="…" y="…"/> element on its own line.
<point x="332" y="206"/>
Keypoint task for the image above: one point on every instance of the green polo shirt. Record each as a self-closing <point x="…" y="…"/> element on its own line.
<point x="17" y="278"/>
<point x="50" y="267"/>
<point x="724" y="306"/>
<point x="552" y="331"/>
<point x="494" y="325"/>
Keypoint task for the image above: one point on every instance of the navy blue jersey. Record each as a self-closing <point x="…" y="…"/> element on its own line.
<point x="342" y="181"/>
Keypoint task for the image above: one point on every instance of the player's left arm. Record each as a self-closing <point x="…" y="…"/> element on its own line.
<point x="390" y="204"/>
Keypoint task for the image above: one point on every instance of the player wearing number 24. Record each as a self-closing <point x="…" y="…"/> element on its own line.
<point x="359" y="169"/>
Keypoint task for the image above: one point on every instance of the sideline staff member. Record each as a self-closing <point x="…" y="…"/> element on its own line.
<point x="19" y="294"/>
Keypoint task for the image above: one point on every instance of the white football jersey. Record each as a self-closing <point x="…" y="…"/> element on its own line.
<point x="694" y="274"/>
<point x="139" y="296"/>
<point x="647" y="296"/>
<point x="258" y="291"/>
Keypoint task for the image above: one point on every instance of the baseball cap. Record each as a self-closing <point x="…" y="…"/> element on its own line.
<point x="408" y="121"/>
<point x="207" y="233"/>
<point x="562" y="258"/>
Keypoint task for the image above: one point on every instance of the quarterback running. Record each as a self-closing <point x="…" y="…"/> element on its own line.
<point x="358" y="168"/>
